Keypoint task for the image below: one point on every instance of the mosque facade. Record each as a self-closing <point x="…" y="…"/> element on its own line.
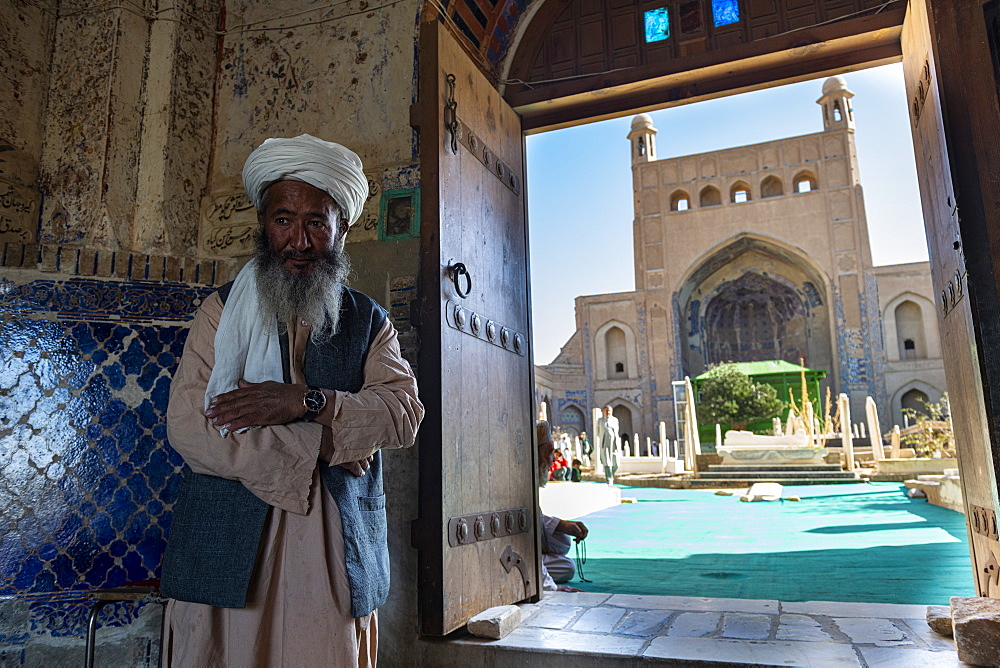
<point x="751" y="253"/>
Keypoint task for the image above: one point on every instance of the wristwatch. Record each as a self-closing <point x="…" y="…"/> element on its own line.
<point x="314" y="400"/>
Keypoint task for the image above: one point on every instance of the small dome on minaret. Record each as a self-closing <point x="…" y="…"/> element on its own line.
<point x="642" y="121"/>
<point x="834" y="84"/>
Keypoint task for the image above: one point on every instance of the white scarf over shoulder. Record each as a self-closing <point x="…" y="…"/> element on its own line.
<point x="246" y="345"/>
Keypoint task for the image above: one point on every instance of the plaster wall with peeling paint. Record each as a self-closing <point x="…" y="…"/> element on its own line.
<point x="121" y="147"/>
<point x="26" y="35"/>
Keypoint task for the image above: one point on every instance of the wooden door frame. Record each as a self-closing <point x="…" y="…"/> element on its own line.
<point x="870" y="41"/>
<point x="430" y="554"/>
<point x="765" y="64"/>
<point x="823" y="50"/>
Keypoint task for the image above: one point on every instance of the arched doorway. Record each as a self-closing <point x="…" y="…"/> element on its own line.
<point x="751" y="299"/>
<point x="569" y="95"/>
<point x="571" y="420"/>
<point x="625" y="424"/>
<point x="914" y="400"/>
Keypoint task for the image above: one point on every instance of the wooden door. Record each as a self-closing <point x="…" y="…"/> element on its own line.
<point x="476" y="532"/>
<point x="937" y="56"/>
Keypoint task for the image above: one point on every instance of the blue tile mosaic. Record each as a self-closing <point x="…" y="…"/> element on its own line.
<point x="657" y="24"/>
<point x="104" y="301"/>
<point x="725" y="12"/>
<point x="87" y="480"/>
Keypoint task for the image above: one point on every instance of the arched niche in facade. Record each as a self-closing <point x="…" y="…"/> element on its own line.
<point x="907" y="396"/>
<point x="805" y="182"/>
<point x="755" y="318"/>
<point x="925" y="338"/>
<point x="771" y="187"/>
<point x="680" y="201"/>
<point x="739" y="192"/>
<point x="614" y="344"/>
<point x="572" y="420"/>
<point x="709" y="196"/>
<point x="755" y="298"/>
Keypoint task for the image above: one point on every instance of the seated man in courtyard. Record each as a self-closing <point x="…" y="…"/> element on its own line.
<point x="557" y="534"/>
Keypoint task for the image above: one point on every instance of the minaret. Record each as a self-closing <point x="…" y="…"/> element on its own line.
<point x="836" y="103"/>
<point x="643" y="139"/>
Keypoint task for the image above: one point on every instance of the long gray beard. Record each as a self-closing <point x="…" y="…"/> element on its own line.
<point x="315" y="298"/>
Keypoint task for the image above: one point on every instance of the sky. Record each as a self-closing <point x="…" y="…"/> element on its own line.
<point x="580" y="185"/>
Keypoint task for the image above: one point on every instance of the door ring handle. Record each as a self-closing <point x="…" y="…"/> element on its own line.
<point x="458" y="270"/>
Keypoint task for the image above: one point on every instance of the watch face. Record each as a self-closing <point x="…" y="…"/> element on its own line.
<point x="315" y="400"/>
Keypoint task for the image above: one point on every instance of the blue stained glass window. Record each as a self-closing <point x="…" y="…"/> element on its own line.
<point x="724" y="11"/>
<point x="657" y="25"/>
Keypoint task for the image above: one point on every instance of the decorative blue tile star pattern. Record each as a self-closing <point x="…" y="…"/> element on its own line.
<point x="87" y="479"/>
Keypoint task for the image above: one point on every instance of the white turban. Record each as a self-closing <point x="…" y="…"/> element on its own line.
<point x="330" y="167"/>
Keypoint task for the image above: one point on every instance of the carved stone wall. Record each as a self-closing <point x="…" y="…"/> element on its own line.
<point x="128" y="127"/>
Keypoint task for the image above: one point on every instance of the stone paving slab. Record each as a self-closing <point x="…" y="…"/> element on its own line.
<point x="868" y="631"/>
<point x="928" y="637"/>
<point x="766" y="652"/>
<point x="690" y="603"/>
<point x="554" y="616"/>
<point x="644" y="622"/>
<point x="563" y="641"/>
<point x="695" y="624"/>
<point x="599" y="620"/>
<point x="746" y="626"/>
<point x="802" y="628"/>
<point x="574" y="598"/>
<point x="836" y="609"/>
<point x="884" y="657"/>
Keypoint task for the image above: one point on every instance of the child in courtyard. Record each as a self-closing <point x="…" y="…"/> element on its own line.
<point x="559" y="469"/>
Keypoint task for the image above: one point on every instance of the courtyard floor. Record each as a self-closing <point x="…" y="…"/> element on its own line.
<point x="865" y="543"/>
<point x="688" y="578"/>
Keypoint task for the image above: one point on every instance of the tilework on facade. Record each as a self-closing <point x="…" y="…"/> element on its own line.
<point x="648" y="378"/>
<point x="87" y="479"/>
<point x="859" y="347"/>
<point x="875" y="350"/>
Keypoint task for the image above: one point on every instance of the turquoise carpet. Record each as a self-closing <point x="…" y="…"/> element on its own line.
<point x="853" y="543"/>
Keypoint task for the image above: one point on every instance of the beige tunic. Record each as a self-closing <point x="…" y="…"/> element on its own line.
<point x="299" y="606"/>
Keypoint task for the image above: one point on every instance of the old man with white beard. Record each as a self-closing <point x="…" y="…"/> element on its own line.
<point x="290" y="385"/>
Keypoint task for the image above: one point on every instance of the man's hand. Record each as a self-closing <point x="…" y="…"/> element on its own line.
<point x="573" y="528"/>
<point x="359" y="467"/>
<point x="568" y="588"/>
<point x="257" y="405"/>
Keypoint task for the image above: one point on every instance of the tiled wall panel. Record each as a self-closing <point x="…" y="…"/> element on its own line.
<point x="87" y="479"/>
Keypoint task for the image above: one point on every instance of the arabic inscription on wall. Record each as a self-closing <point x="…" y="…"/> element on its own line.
<point x="18" y="213"/>
<point x="229" y="223"/>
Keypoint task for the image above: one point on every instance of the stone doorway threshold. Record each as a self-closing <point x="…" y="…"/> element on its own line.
<point x="592" y="629"/>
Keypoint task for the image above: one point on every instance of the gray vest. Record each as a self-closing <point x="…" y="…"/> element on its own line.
<point x="217" y="523"/>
